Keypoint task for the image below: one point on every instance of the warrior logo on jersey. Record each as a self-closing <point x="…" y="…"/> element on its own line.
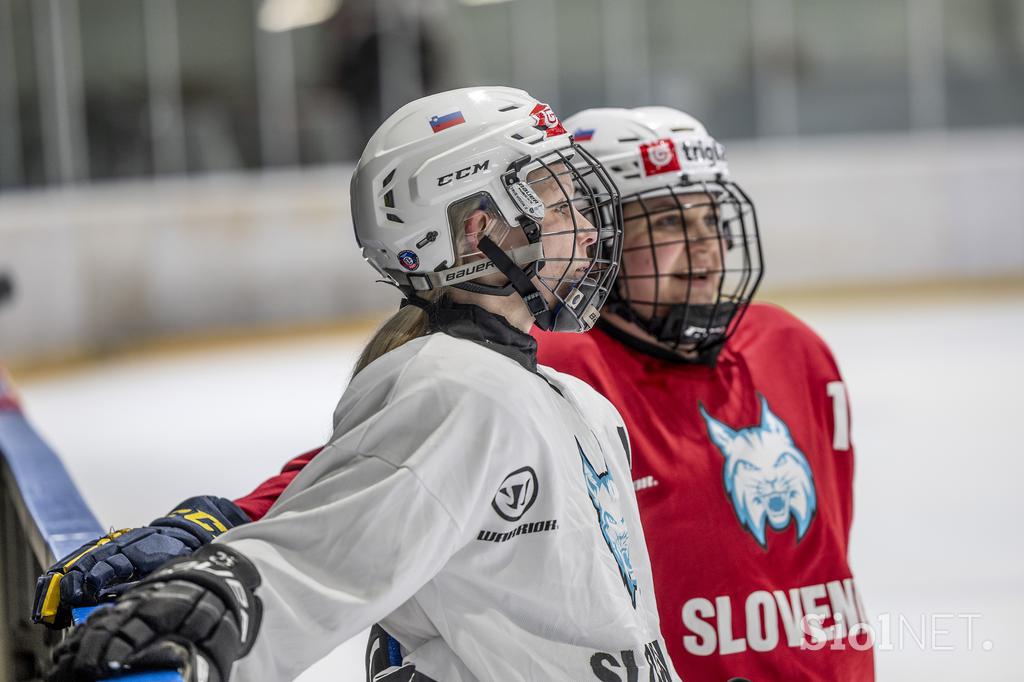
<point x="516" y="494"/>
<point x="604" y="495"/>
<point x="767" y="477"/>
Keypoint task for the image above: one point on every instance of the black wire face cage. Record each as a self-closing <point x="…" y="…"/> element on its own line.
<point x="581" y="232"/>
<point x="692" y="261"/>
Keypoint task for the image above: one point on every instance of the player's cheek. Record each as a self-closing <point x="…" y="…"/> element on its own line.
<point x="638" y="262"/>
<point x="672" y="259"/>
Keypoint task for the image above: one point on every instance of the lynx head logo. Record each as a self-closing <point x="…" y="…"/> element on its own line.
<point x="605" y="498"/>
<point x="767" y="478"/>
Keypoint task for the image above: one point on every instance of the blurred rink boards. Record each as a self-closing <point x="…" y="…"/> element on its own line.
<point x="933" y="378"/>
<point x="105" y="266"/>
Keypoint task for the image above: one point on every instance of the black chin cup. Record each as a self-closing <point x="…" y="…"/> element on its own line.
<point x="698" y="324"/>
<point x="686" y="325"/>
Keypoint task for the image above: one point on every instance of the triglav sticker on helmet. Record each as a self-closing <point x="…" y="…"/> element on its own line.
<point x="546" y="119"/>
<point x="659" y="156"/>
<point x="527" y="200"/>
<point x="711" y="153"/>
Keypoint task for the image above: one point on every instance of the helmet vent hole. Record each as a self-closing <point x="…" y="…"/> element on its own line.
<point x="510" y="107"/>
<point x="516" y="136"/>
<point x="389" y="199"/>
<point x="389" y="177"/>
<point x="629" y="139"/>
<point x="394" y="218"/>
<point x="682" y="130"/>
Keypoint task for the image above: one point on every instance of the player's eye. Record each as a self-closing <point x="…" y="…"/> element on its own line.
<point x="666" y="223"/>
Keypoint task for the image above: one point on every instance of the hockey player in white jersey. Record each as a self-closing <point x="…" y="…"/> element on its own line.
<point x="476" y="505"/>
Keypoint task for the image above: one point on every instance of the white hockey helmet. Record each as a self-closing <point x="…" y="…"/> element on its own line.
<point x="664" y="161"/>
<point x="647" y="148"/>
<point x="499" y="150"/>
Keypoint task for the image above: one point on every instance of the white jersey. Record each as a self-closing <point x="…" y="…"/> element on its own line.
<point x="481" y="512"/>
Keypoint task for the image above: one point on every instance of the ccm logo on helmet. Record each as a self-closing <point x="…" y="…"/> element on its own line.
<point x="463" y="173"/>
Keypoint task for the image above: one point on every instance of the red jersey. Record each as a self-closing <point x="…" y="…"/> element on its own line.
<point x="744" y="476"/>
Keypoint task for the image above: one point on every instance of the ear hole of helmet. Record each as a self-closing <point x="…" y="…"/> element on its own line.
<point x="461" y="211"/>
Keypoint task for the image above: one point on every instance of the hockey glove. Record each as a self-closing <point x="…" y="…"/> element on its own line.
<point x="104" y="568"/>
<point x="197" y="615"/>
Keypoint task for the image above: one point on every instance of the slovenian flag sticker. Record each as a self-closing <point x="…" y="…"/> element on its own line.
<point x="583" y="134"/>
<point x="439" y="123"/>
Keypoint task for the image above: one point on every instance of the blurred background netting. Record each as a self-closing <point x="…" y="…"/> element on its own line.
<point x="174" y="177"/>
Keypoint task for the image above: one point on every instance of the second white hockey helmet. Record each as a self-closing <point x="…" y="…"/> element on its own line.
<point x="692" y="233"/>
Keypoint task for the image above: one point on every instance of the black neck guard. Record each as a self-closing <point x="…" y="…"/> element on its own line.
<point x="707" y="356"/>
<point x="473" y="323"/>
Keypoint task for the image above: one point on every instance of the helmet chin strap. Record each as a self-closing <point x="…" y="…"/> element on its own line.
<point x="519" y="280"/>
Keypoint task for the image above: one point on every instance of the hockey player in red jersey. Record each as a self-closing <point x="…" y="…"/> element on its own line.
<point x="737" y="417"/>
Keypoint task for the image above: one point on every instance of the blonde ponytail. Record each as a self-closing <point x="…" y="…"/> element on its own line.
<point x="407" y="324"/>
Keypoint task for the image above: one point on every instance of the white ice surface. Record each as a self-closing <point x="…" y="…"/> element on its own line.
<point x="935" y="390"/>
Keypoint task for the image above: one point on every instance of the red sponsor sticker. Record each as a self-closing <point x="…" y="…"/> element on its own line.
<point x="659" y="157"/>
<point x="545" y="118"/>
